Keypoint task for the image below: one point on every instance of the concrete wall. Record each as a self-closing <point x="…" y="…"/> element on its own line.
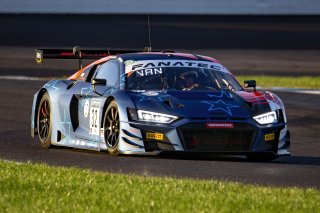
<point x="205" y="7"/>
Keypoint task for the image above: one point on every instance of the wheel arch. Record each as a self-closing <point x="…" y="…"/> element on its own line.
<point x="39" y="97"/>
<point x="105" y="106"/>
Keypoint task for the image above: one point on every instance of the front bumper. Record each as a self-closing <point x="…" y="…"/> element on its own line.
<point x="193" y="136"/>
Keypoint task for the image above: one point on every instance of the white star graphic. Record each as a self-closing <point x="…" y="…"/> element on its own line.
<point x="66" y="126"/>
<point x="157" y="97"/>
<point x="220" y="105"/>
<point x="221" y="95"/>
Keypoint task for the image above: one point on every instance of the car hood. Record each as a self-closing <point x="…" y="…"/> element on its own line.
<point x="261" y="102"/>
<point x="193" y="104"/>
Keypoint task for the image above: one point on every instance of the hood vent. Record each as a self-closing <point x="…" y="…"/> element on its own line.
<point x="167" y="102"/>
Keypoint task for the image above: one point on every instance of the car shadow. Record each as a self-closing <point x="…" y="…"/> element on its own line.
<point x="298" y="160"/>
<point x="288" y="160"/>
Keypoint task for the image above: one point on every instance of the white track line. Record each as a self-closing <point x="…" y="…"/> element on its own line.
<point x="295" y="90"/>
<point x="313" y="92"/>
<point x="23" y="78"/>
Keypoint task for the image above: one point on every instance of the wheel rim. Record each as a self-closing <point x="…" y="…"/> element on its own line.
<point x="112" y="127"/>
<point x="44" y="120"/>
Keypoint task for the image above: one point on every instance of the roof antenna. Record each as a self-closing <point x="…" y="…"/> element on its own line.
<point x="149" y="33"/>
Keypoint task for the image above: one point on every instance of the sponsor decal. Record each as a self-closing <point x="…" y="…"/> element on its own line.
<point x="153" y="66"/>
<point x="86" y="108"/>
<point x="134" y="130"/>
<point x="154" y="136"/>
<point x="269" y="137"/>
<point x="147" y="72"/>
<point x="219" y="125"/>
<point x="94" y="117"/>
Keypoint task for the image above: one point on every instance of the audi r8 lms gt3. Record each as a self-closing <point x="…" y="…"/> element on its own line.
<point x="152" y="102"/>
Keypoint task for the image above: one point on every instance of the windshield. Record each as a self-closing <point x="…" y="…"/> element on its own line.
<point x="180" y="78"/>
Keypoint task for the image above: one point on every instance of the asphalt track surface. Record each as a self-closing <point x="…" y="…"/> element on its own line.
<point x="302" y="169"/>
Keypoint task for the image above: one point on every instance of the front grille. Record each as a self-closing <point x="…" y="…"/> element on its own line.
<point x="197" y="137"/>
<point x="151" y="146"/>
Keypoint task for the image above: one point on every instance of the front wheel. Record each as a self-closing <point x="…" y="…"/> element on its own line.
<point x="44" y="123"/>
<point x="111" y="125"/>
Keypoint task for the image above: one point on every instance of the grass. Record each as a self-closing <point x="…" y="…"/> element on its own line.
<point x="26" y="187"/>
<point x="306" y="82"/>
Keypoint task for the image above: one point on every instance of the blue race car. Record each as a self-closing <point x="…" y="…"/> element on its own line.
<point x="156" y="102"/>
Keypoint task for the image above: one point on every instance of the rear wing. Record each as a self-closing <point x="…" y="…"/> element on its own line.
<point x="76" y="53"/>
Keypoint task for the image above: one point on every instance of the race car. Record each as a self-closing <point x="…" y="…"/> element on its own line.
<point x="148" y="103"/>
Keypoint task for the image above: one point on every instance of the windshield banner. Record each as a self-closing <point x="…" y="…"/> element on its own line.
<point x="150" y="66"/>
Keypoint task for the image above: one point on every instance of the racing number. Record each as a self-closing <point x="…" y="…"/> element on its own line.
<point x="94" y="118"/>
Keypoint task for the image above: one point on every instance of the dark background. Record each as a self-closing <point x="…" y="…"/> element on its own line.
<point x="167" y="31"/>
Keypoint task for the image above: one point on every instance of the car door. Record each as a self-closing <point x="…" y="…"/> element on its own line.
<point x="91" y="98"/>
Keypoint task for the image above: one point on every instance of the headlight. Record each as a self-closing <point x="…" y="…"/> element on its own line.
<point x="155" y="117"/>
<point x="267" y="118"/>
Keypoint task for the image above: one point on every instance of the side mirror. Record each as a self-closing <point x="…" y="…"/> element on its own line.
<point x="97" y="81"/>
<point x="250" y="83"/>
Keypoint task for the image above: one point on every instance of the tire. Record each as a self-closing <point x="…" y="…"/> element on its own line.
<point x="44" y="122"/>
<point x="261" y="157"/>
<point x="111" y="126"/>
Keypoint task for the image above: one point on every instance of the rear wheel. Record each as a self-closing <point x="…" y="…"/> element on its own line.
<point x="111" y="125"/>
<point x="44" y="124"/>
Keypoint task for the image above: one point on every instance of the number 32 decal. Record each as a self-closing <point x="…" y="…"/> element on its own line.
<point x="94" y="117"/>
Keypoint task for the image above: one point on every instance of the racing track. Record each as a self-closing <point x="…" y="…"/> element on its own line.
<point x="302" y="169"/>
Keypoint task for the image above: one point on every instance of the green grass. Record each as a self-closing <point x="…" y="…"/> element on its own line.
<point x="306" y="82"/>
<point x="26" y="187"/>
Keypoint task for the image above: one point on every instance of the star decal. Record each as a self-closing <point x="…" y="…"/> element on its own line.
<point x="66" y="126"/>
<point x="94" y="140"/>
<point x="85" y="91"/>
<point x="147" y="97"/>
<point x="111" y="90"/>
<point x="221" y="95"/>
<point x="52" y="84"/>
<point x="122" y="79"/>
<point x="220" y="105"/>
